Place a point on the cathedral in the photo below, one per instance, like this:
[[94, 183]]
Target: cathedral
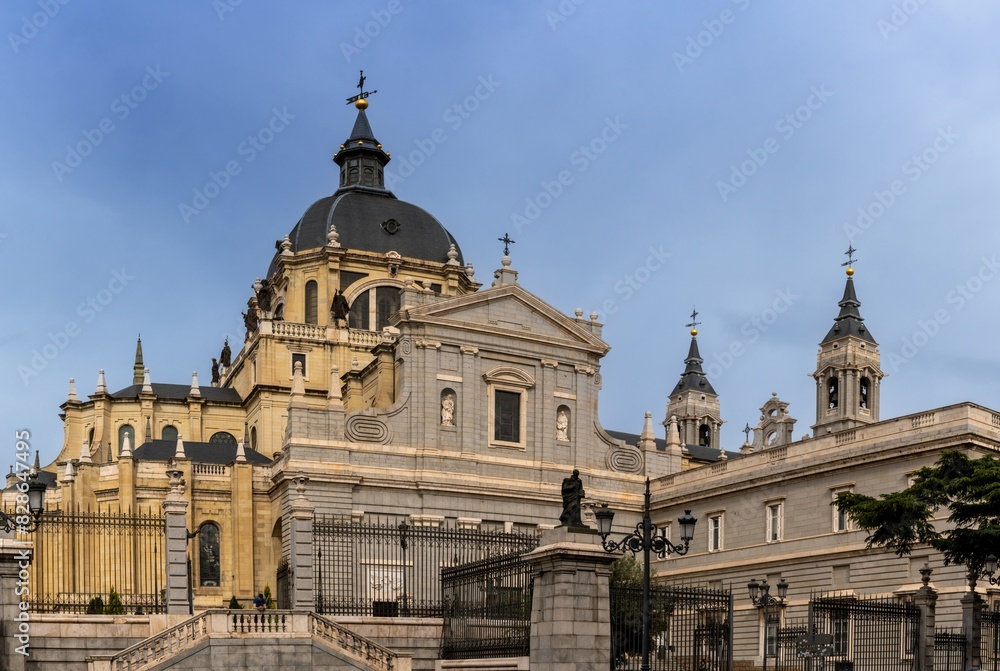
[[379, 370]]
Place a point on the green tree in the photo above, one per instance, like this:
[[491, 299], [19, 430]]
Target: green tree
[[234, 603], [268, 599], [114, 605], [626, 571], [969, 489]]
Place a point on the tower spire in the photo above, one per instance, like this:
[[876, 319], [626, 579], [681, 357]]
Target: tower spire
[[848, 374], [361, 158], [138, 368], [693, 403]]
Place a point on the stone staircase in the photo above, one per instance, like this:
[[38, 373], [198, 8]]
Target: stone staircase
[[237, 632]]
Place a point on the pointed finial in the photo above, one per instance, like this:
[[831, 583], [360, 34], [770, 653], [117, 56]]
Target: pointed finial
[[138, 366], [195, 389], [694, 322], [102, 385], [297, 399], [241, 453], [126, 446], [470, 272], [71, 396], [37, 466], [647, 439], [334, 399], [147, 384], [85, 453], [332, 237], [673, 433], [179, 450], [850, 260], [453, 255], [286, 246], [69, 475]]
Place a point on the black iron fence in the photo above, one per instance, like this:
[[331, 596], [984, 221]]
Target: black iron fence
[[384, 568], [689, 628], [487, 610], [989, 642], [98, 562], [949, 651]]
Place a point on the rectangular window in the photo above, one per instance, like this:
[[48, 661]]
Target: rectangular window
[[773, 522], [771, 626], [840, 628], [715, 532], [299, 358], [507, 416], [841, 522]]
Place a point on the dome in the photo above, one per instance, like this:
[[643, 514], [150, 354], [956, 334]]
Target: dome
[[368, 217]]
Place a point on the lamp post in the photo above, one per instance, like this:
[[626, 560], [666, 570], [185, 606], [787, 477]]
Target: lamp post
[[30, 515], [990, 568], [404, 543], [644, 539], [760, 595]]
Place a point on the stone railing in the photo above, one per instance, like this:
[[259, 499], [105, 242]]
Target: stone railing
[[219, 623], [364, 338], [293, 330], [209, 469], [359, 647], [158, 648]]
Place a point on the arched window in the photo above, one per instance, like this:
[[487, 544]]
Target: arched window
[[90, 438], [222, 438], [833, 387], [253, 438], [208, 553], [169, 433], [126, 430], [704, 435], [279, 312], [386, 305], [863, 392], [358, 318], [312, 301]]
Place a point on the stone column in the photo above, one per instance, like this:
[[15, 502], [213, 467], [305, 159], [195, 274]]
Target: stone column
[[925, 598], [972, 626], [300, 537], [175, 515], [571, 604], [15, 625]]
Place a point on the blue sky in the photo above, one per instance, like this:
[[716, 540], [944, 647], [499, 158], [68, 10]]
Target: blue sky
[[646, 157]]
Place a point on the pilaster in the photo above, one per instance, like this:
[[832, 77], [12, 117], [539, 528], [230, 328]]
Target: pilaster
[[175, 517]]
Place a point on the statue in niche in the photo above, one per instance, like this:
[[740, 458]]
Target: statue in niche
[[215, 371], [448, 409], [226, 358], [562, 424], [572, 494], [340, 308]]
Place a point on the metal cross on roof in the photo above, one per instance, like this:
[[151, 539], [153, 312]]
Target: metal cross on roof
[[850, 257], [507, 242], [746, 432], [694, 319], [362, 94]]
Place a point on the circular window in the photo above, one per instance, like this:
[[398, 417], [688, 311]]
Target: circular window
[[390, 226]]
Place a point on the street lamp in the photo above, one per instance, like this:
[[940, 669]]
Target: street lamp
[[404, 543], [760, 595], [644, 539], [30, 516], [990, 568]]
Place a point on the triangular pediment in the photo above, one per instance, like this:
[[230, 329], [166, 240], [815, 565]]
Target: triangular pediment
[[509, 309]]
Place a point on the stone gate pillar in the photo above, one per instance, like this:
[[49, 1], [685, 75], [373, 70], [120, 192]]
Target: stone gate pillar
[[925, 598], [571, 604], [300, 561], [15, 627], [175, 517], [972, 626]]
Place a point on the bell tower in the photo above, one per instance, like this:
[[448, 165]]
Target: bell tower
[[848, 374], [693, 401]]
